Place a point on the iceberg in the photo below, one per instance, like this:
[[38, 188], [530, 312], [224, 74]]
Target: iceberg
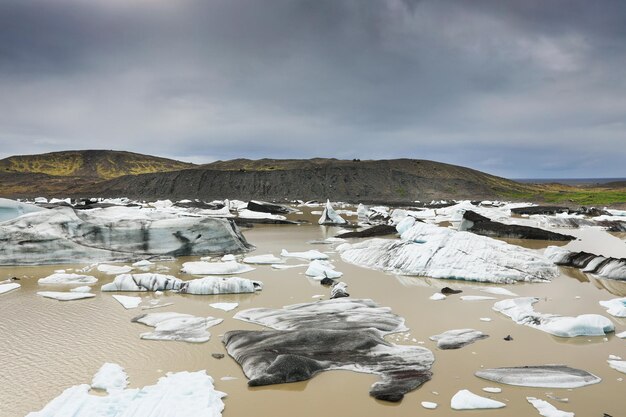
[[177, 326], [546, 409], [176, 394], [200, 286], [615, 307], [62, 278], [322, 269], [467, 400], [65, 235], [11, 209], [83, 288], [437, 252], [333, 334], [618, 365], [65, 296], [546, 376], [263, 259], [9, 287], [309, 255], [612, 268], [128, 302], [111, 377], [522, 312], [455, 339], [429, 405], [339, 290], [224, 306], [215, 268], [330, 216]]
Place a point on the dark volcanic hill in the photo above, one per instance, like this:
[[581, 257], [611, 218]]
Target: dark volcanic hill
[[398, 180]]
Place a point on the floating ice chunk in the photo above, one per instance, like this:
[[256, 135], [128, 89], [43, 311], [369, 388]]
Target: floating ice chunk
[[339, 290], [61, 278], [254, 215], [433, 251], [308, 255], [276, 266], [9, 287], [621, 335], [65, 296], [177, 326], [114, 269], [220, 285], [83, 288], [498, 291], [615, 307], [466, 400], [143, 263], [618, 365], [546, 409], [522, 312], [330, 216], [476, 298], [225, 306], [429, 405], [455, 339], [485, 319], [322, 269], [263, 259], [215, 268], [110, 377], [437, 296], [606, 267], [492, 390], [546, 376], [128, 302], [143, 282], [177, 394]]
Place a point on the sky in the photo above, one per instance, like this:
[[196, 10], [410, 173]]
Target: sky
[[521, 89]]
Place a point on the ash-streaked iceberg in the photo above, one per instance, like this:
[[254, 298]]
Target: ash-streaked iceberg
[[521, 311], [606, 267], [66, 235], [11, 209], [334, 334], [455, 339], [437, 252], [467, 400], [143, 282], [177, 326], [181, 394], [215, 268], [62, 278], [200, 286], [544, 376]]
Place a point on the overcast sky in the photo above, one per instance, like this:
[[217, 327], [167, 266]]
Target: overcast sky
[[527, 88]]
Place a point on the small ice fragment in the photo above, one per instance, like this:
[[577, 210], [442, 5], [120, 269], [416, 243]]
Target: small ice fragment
[[225, 306], [437, 296], [127, 301], [429, 405], [492, 390], [485, 319], [466, 400]]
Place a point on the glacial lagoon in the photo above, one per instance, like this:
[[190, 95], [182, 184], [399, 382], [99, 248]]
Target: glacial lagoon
[[48, 345]]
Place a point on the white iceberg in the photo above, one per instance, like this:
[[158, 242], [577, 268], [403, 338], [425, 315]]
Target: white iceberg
[[330, 216], [308, 255], [82, 288], [615, 307], [128, 302], [65, 296], [618, 365], [429, 405], [546, 409], [322, 269], [256, 215], [621, 335], [522, 312], [114, 269], [181, 394], [263, 259], [437, 252], [9, 287], [60, 278], [542, 376], [224, 306], [437, 296], [467, 400], [215, 268], [110, 377], [492, 390], [177, 326]]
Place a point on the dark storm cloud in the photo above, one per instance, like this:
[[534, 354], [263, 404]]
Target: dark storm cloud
[[524, 88]]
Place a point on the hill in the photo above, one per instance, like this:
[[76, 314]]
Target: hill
[[91, 164]]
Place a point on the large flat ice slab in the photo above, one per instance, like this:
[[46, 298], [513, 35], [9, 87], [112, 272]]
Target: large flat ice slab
[[65, 235], [62, 278], [183, 394], [177, 326], [65, 296], [334, 334], [521, 311], [546, 409], [467, 400], [9, 287], [546, 376], [437, 252]]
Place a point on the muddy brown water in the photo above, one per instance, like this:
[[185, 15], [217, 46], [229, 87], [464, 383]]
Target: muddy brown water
[[47, 346]]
